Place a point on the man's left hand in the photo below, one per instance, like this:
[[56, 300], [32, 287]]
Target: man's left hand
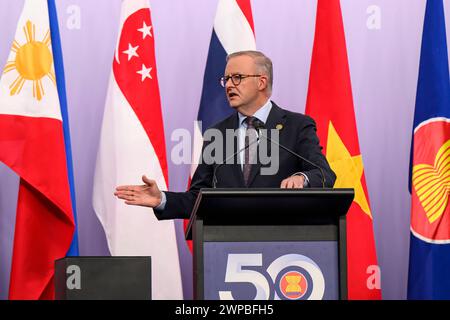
[[293, 182]]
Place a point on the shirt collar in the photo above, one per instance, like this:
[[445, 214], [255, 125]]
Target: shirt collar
[[262, 113]]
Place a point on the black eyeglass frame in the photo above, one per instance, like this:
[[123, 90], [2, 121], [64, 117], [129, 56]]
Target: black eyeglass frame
[[236, 78]]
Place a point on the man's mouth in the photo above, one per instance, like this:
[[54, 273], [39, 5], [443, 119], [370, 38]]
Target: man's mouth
[[232, 95]]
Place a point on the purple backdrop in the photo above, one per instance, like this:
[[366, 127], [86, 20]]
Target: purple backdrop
[[383, 41]]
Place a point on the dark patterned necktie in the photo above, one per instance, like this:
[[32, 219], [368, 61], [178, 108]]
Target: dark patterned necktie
[[250, 148]]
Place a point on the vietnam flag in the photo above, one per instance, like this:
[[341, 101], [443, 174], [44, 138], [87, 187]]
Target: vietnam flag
[[330, 103]]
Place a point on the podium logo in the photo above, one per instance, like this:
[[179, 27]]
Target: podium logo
[[291, 277], [73, 281], [293, 285], [297, 277]]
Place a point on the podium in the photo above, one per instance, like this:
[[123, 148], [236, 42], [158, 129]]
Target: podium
[[270, 244]]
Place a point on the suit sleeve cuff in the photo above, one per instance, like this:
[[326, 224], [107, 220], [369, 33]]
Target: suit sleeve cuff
[[162, 205]]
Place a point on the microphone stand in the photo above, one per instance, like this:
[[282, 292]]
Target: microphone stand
[[260, 125], [214, 179]]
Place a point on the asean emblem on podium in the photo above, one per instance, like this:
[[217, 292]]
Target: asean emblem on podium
[[293, 285], [297, 277]]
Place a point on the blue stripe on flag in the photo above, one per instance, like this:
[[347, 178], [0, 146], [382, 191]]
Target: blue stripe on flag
[[59, 73], [433, 88], [214, 105], [428, 272]]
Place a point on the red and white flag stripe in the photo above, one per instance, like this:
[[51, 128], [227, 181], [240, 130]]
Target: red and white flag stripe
[[132, 144], [32, 144]]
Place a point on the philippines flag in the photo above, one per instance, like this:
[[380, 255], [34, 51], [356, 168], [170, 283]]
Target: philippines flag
[[132, 144], [233, 31], [35, 143], [429, 261]]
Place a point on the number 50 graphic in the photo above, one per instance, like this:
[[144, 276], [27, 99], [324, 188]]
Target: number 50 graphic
[[236, 273]]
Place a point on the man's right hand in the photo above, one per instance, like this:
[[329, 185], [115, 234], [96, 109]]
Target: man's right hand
[[147, 195]]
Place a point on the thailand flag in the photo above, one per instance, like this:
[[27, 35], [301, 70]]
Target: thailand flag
[[35, 143], [132, 144], [429, 262], [233, 31]]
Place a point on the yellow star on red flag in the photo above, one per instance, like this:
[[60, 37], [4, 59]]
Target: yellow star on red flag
[[349, 169]]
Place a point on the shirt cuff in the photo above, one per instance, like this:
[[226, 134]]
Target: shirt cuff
[[306, 183], [162, 205]]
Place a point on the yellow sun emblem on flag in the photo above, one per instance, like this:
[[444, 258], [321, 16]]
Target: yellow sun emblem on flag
[[33, 61]]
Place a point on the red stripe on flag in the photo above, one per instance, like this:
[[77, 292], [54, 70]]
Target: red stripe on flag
[[246, 8], [141, 92], [42, 235], [34, 149]]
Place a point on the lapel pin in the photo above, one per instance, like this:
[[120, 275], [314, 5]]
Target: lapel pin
[[279, 126]]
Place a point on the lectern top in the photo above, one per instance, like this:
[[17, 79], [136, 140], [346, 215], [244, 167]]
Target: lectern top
[[269, 206]]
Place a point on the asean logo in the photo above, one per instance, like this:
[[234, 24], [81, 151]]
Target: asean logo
[[430, 217], [296, 277], [293, 285]]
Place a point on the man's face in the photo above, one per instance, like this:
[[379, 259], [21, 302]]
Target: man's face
[[246, 92]]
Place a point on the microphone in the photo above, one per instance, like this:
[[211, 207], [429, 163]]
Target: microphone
[[217, 166], [260, 125]]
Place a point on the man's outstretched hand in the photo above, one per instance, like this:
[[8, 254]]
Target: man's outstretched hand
[[147, 195]]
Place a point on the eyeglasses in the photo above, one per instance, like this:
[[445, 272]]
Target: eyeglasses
[[236, 78]]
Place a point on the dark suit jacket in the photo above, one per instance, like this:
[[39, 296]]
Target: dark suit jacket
[[298, 133]]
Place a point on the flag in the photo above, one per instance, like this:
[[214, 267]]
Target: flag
[[61, 85], [330, 103], [34, 142], [132, 144], [233, 31], [429, 261]]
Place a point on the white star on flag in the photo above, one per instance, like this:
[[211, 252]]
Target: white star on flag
[[131, 52], [145, 30], [145, 72]]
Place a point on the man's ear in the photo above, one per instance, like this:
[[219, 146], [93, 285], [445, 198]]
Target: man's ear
[[263, 82]]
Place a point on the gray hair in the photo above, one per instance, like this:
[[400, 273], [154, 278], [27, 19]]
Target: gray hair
[[262, 62]]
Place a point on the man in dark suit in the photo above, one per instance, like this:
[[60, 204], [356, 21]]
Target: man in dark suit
[[248, 86]]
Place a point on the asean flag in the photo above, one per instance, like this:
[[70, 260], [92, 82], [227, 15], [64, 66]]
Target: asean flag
[[429, 261], [32, 144], [330, 103], [233, 31], [132, 144]]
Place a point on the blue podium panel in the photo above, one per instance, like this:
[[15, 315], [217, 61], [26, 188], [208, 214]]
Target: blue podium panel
[[297, 270]]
